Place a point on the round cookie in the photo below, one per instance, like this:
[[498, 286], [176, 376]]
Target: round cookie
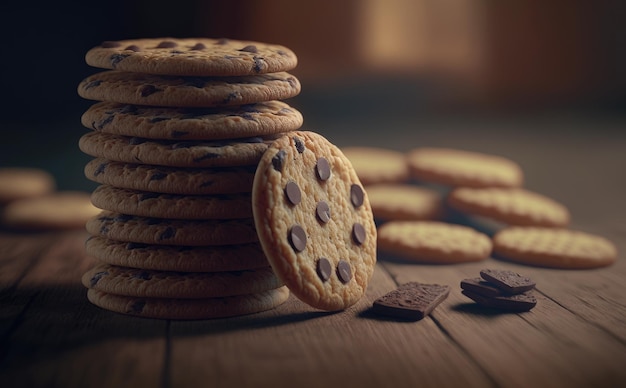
[[260, 119], [216, 153], [192, 56], [159, 179], [314, 220], [159, 205], [185, 285], [433, 242], [177, 258], [208, 308], [554, 247], [160, 231], [404, 202], [24, 182], [451, 167], [147, 89], [376, 165], [514, 206], [59, 210]]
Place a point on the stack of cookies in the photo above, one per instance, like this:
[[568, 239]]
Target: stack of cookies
[[177, 133]]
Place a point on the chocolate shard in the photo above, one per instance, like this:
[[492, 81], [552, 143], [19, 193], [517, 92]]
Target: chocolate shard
[[411, 300], [508, 281], [514, 303], [481, 287]]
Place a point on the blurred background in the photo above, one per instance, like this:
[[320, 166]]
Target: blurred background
[[516, 78]]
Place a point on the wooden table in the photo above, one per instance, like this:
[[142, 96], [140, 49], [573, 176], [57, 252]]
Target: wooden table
[[50, 335]]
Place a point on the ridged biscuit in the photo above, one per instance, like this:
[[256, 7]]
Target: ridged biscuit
[[208, 308], [162, 231], [314, 220], [159, 205], [405, 202], [170, 180], [192, 56], [260, 119], [199, 92], [376, 165]]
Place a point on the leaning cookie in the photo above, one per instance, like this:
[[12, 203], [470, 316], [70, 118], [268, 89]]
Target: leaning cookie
[[192, 56], [314, 220], [376, 165], [200, 92], [260, 119], [451, 167], [433, 242], [554, 247], [513, 206], [208, 308]]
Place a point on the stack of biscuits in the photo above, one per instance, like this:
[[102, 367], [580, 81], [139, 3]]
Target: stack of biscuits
[[177, 131]]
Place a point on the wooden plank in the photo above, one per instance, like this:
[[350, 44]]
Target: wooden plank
[[296, 346], [548, 345], [62, 340]]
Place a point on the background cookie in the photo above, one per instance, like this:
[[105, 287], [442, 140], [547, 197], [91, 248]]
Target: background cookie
[[159, 179], [216, 153], [158, 205], [188, 285], [453, 167], [513, 206], [377, 165], [177, 258], [314, 220], [433, 242], [123, 227], [146, 89], [208, 308], [192, 56], [554, 247], [404, 202], [23, 182], [260, 119]]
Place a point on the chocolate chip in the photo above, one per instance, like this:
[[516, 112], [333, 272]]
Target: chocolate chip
[[344, 272], [157, 176], [110, 44], [136, 307], [250, 49], [103, 123], [167, 44], [322, 210], [299, 144], [292, 192], [278, 160], [297, 238], [117, 58], [96, 277], [324, 269], [231, 97], [147, 90], [100, 169], [198, 46], [222, 41], [322, 168], [133, 47], [358, 233], [356, 195], [92, 84], [167, 234], [259, 64]]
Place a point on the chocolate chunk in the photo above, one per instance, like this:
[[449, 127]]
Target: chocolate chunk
[[117, 58], [479, 286], [297, 238], [198, 46], [103, 123], [93, 84], [157, 176], [167, 44], [356, 195], [322, 169], [322, 211], [411, 300], [324, 269], [358, 233], [100, 170], [278, 160], [206, 156], [518, 303], [292, 192], [147, 90], [136, 307], [344, 272], [508, 281], [168, 233], [250, 49], [96, 277], [259, 64], [133, 47], [299, 144]]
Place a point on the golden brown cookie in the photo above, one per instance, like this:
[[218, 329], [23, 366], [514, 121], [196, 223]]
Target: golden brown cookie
[[433, 242], [404, 202], [314, 220], [376, 165], [513, 206], [451, 167], [554, 247]]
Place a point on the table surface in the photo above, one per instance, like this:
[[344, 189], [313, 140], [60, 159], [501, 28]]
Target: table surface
[[50, 335]]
